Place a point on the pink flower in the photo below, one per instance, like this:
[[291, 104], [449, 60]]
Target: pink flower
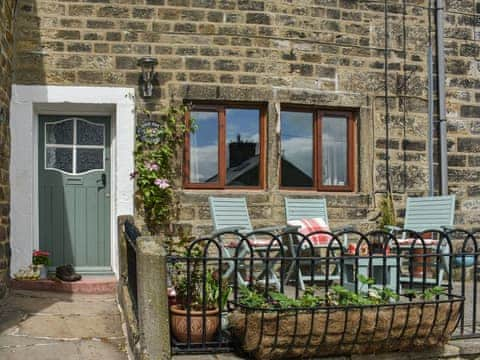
[[151, 166], [162, 183]]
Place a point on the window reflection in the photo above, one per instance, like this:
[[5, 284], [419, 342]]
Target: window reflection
[[60, 159], [204, 148], [59, 132], [243, 148], [297, 149], [334, 150]]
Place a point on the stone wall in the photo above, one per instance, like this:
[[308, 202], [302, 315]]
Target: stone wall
[[463, 107], [6, 55], [321, 52]]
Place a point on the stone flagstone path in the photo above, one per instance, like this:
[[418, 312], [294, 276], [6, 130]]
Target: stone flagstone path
[[50, 326]]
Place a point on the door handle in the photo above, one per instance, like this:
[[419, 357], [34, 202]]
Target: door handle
[[104, 180]]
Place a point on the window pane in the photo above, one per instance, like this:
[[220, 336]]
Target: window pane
[[297, 148], [334, 150], [243, 147], [60, 132], [89, 159], [89, 134], [204, 148], [59, 158]]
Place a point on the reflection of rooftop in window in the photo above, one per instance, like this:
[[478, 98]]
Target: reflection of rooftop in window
[[234, 173]]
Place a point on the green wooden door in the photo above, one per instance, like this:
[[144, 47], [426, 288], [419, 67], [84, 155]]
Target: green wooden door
[[74, 191]]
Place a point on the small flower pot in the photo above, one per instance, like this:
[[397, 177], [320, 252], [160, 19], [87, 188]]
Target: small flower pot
[[179, 325], [42, 270]]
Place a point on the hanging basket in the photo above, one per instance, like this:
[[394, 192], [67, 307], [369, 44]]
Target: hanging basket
[[327, 331]]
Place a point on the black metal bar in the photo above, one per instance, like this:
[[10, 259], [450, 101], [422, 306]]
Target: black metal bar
[[131, 234]]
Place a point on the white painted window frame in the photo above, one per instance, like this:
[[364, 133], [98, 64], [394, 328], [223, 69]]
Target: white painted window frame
[[30, 101], [74, 146]]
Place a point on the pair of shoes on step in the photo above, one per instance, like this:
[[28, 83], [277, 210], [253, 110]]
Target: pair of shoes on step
[[67, 273]]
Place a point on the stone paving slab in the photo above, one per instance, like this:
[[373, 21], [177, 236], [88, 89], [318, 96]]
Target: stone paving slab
[[77, 350], [58, 303], [50, 326]]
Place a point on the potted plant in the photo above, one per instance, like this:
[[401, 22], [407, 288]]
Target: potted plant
[[199, 303], [40, 262]]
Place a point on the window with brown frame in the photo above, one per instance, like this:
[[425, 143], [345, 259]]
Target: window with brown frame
[[226, 149], [317, 149]]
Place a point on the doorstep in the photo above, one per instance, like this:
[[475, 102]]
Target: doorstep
[[88, 285]]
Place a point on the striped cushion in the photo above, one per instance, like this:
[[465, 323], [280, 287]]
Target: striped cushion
[[253, 243], [418, 242], [307, 226]]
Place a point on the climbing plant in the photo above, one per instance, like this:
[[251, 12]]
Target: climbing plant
[[156, 159], [387, 211]]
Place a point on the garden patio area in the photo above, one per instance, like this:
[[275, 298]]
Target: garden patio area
[[370, 297]]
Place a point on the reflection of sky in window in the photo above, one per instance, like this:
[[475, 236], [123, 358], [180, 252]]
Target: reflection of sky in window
[[297, 141], [334, 146], [204, 147], [243, 122]]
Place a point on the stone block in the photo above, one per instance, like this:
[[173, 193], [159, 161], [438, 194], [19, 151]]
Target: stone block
[[258, 18], [251, 5], [226, 65], [415, 145], [113, 12], [185, 28], [470, 111], [301, 69], [193, 15], [113, 36], [68, 34], [392, 143], [197, 64], [202, 77], [126, 62], [143, 13], [470, 144], [80, 10], [100, 24]]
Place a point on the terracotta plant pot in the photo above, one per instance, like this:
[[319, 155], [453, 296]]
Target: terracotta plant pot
[[178, 318]]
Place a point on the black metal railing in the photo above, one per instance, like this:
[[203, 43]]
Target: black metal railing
[[267, 279], [131, 235]]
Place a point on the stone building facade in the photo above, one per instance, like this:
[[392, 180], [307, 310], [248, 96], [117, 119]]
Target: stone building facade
[[324, 53], [6, 56]]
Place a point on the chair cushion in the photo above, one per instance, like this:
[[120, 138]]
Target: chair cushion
[[409, 241], [254, 243], [307, 226]]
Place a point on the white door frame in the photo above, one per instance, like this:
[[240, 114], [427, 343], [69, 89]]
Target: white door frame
[[26, 104]]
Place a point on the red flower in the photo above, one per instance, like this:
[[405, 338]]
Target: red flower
[[41, 253]]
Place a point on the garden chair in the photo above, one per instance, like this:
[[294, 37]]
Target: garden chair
[[427, 213], [230, 214], [297, 209]]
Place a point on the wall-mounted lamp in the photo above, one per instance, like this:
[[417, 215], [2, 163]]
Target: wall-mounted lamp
[[148, 74]]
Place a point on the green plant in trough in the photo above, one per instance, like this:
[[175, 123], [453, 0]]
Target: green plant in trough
[[336, 296]]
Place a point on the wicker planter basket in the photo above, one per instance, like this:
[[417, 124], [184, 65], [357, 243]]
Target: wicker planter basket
[[326, 331]]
